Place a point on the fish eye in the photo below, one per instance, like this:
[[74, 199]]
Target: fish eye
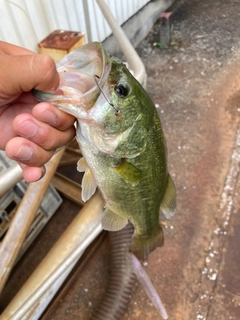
[[122, 90]]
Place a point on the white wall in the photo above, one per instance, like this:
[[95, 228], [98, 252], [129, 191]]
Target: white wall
[[27, 22]]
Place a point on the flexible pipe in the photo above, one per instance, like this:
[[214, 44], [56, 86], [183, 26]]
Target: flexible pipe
[[115, 301]]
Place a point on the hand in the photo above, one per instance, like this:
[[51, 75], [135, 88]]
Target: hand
[[30, 131]]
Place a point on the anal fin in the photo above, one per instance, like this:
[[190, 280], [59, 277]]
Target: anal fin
[[112, 221]]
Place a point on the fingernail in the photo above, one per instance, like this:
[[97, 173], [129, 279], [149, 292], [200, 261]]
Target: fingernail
[[30, 129], [49, 117], [41, 173], [24, 153]]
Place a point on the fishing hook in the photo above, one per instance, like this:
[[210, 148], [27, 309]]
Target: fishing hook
[[117, 112]]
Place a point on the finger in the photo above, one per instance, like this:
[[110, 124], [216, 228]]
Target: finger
[[51, 115], [32, 174], [40, 133], [25, 72], [12, 49], [27, 152]]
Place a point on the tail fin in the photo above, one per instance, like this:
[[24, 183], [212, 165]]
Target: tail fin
[[142, 246]]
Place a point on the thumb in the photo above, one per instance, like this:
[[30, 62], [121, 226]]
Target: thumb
[[22, 73]]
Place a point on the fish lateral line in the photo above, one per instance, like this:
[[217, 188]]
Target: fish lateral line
[[117, 111]]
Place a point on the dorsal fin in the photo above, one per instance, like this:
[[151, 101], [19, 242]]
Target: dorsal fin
[[168, 203]]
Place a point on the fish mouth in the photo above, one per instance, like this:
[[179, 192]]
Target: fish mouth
[[81, 72]]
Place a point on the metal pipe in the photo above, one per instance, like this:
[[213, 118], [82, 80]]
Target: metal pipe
[[37, 292], [87, 20], [130, 53], [23, 219], [10, 177]]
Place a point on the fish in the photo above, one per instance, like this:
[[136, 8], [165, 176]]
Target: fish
[[120, 136]]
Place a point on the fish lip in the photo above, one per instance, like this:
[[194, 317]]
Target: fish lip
[[97, 56]]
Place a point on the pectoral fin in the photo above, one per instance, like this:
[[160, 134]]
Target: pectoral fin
[[129, 173], [112, 221], [168, 203], [89, 184], [82, 165]]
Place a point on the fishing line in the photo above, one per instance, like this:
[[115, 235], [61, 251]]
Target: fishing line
[[117, 112]]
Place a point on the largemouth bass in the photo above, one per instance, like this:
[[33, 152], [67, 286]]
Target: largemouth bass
[[122, 143]]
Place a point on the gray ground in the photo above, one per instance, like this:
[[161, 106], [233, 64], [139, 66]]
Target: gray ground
[[196, 84]]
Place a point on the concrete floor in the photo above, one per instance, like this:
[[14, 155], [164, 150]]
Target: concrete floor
[[195, 84]]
